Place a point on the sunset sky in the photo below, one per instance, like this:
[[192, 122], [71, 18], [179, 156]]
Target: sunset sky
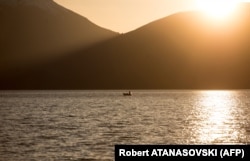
[[126, 15]]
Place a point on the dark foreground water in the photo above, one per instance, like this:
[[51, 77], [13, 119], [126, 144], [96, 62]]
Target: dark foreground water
[[85, 125]]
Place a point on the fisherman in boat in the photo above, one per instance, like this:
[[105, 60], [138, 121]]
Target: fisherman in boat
[[127, 94]]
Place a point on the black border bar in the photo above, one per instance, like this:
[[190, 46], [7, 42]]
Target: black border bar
[[182, 152]]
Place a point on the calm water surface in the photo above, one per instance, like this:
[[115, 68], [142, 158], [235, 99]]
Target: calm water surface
[[85, 125]]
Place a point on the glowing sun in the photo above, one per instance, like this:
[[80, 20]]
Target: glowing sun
[[217, 8]]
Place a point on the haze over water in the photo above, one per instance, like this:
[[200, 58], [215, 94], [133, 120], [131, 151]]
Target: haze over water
[[85, 125]]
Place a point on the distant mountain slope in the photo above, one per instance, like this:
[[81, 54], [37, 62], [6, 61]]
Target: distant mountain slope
[[33, 30], [184, 50]]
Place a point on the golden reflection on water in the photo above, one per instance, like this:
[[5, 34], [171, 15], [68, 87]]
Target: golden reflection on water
[[216, 117]]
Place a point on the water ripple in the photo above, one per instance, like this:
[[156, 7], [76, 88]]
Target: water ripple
[[85, 125]]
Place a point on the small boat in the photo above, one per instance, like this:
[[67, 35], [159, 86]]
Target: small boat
[[127, 94]]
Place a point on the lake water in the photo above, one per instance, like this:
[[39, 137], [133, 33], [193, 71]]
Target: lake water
[[85, 125]]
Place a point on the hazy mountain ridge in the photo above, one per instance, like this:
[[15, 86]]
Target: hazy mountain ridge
[[182, 51], [48, 6], [37, 3], [39, 30]]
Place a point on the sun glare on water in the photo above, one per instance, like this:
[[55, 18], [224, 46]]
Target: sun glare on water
[[217, 117], [217, 9]]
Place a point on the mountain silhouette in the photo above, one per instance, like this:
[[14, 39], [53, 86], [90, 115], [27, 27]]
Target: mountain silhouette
[[182, 51], [37, 30]]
